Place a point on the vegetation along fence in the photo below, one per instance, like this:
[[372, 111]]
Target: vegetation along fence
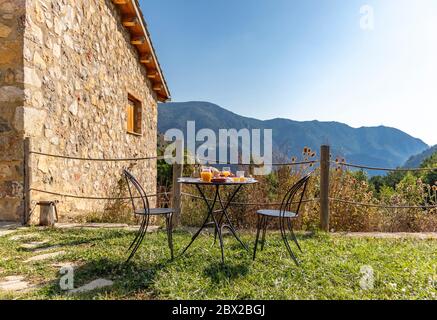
[[335, 184]]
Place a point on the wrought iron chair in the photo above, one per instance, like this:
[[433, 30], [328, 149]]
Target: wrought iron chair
[[146, 212], [285, 216]]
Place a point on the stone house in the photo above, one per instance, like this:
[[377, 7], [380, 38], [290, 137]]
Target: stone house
[[78, 78]]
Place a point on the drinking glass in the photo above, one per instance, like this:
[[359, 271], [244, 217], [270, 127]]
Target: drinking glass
[[240, 175], [206, 175]]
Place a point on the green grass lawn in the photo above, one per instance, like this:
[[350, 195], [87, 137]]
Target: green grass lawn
[[330, 267]]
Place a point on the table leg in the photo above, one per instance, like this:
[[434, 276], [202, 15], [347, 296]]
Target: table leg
[[208, 216], [218, 229], [218, 222], [229, 224]]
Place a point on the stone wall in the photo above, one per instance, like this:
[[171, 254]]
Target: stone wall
[[12, 13], [79, 68]]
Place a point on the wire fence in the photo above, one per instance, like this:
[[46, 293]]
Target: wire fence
[[249, 203], [311, 163], [97, 159], [293, 163], [357, 166], [65, 195], [382, 206]]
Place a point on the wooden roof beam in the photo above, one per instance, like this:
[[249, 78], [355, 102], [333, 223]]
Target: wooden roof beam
[[152, 74], [131, 22], [120, 2], [138, 41], [146, 59], [158, 87]]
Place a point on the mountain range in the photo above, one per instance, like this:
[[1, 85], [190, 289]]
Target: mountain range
[[373, 146], [417, 160]]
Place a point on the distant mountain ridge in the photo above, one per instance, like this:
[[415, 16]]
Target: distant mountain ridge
[[417, 160], [373, 146]]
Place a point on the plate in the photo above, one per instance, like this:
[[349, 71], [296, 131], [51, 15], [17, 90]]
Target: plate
[[219, 180]]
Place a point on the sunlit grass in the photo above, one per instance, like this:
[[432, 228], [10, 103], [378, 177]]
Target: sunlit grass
[[330, 267]]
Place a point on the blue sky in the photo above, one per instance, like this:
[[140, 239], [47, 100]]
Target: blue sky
[[303, 59]]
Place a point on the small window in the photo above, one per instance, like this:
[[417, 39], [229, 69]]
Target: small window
[[133, 113]]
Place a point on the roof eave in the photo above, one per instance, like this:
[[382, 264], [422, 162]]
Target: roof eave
[[134, 22]]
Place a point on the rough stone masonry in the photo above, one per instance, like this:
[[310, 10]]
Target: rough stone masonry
[[67, 68]]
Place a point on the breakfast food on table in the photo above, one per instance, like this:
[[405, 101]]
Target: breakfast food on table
[[211, 174], [206, 175], [219, 180]]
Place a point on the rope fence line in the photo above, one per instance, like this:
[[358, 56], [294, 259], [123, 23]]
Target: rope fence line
[[164, 158], [93, 197], [230, 163], [260, 164], [316, 200], [381, 169], [237, 203], [382, 206], [312, 162], [96, 159], [249, 203]]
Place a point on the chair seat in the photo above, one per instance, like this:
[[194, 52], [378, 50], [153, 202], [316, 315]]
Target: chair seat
[[155, 211], [277, 213]]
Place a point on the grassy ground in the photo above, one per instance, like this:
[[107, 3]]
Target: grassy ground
[[330, 269]]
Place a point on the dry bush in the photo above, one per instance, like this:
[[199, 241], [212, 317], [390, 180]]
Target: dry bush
[[345, 185]]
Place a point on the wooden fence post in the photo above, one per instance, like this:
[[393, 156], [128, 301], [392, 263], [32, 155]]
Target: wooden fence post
[[176, 187], [324, 187], [27, 181]]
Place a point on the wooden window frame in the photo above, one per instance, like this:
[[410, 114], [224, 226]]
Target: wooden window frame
[[137, 114]]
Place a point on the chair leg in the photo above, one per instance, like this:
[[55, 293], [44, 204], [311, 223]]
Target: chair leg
[[287, 245], [293, 236], [143, 222], [169, 225], [140, 238], [258, 229], [292, 255], [263, 239]]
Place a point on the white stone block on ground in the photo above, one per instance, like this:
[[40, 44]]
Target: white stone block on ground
[[33, 244], [66, 225], [6, 232], [102, 226], [64, 264], [41, 250], [45, 256], [14, 283], [93, 285], [150, 229], [105, 225], [19, 237]]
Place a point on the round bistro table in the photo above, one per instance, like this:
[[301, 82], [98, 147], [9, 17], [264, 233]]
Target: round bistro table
[[220, 217]]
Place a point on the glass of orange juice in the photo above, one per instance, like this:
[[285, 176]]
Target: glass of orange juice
[[206, 175], [226, 171], [240, 175]]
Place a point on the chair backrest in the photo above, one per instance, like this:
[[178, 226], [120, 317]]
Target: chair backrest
[[141, 194], [289, 198]]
